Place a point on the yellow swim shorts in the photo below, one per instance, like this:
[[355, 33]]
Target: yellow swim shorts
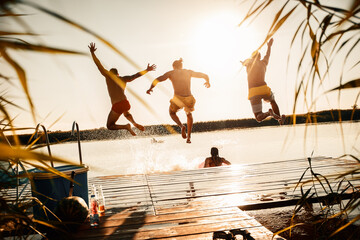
[[179, 102], [263, 90]]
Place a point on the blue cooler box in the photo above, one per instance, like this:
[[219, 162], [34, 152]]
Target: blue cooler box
[[49, 188]]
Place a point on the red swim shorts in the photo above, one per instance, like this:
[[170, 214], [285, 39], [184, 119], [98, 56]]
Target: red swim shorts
[[121, 107]]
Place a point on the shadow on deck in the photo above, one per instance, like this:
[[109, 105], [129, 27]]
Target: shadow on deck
[[194, 204]]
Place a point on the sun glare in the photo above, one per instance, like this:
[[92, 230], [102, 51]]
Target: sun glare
[[219, 42]]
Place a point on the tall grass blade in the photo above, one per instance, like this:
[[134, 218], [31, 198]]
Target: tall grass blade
[[85, 29], [351, 84], [278, 25], [351, 49], [354, 27], [288, 228], [2, 99], [10, 14], [22, 77], [33, 47], [356, 218], [303, 200], [277, 16], [252, 12], [301, 178], [4, 33], [357, 63], [350, 13]]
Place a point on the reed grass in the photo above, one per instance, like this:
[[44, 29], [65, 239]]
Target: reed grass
[[325, 32]]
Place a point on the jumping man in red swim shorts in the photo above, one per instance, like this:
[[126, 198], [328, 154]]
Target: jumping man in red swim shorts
[[116, 86]]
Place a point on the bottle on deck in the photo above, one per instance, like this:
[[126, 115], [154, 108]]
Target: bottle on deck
[[94, 208], [101, 200]]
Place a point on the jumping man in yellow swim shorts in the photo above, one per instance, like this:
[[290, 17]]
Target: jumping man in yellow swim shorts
[[181, 81], [258, 89]]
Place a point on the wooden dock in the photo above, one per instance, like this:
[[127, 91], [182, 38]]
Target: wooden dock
[[196, 203]]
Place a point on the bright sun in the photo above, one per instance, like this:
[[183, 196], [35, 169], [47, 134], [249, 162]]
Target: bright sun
[[218, 41], [217, 47]]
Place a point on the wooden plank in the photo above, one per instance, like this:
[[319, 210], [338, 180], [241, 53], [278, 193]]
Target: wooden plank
[[203, 222]]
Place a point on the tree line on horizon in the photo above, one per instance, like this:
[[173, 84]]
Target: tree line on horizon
[[156, 130]]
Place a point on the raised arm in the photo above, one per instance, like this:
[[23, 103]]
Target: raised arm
[[268, 52], [157, 80], [139, 74], [201, 75], [102, 70]]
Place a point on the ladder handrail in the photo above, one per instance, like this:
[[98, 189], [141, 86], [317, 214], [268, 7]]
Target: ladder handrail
[[75, 124], [47, 140]]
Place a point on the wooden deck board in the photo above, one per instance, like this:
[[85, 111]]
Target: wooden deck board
[[173, 225]]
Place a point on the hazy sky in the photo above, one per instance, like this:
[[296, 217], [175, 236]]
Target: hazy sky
[[203, 32]]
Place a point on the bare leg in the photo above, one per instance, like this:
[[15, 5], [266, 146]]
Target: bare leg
[[276, 112], [176, 119], [189, 126], [260, 116], [131, 119], [275, 107], [256, 105], [111, 123]]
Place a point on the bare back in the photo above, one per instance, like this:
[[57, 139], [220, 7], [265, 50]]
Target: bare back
[[115, 89], [181, 81], [215, 162]]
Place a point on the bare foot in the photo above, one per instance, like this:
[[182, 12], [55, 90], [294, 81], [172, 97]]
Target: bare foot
[[128, 127], [274, 115], [183, 132], [140, 127], [188, 140], [282, 120]]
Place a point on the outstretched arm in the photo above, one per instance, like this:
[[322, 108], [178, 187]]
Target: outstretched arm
[[157, 80], [92, 48], [225, 161], [139, 74], [202, 75], [268, 52]]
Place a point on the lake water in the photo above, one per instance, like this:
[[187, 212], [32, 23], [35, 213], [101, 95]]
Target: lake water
[[240, 146]]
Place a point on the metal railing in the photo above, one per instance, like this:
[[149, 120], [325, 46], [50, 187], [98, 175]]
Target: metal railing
[[47, 140], [75, 125]]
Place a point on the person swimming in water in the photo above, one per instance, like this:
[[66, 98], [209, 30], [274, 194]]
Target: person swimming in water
[[215, 160]]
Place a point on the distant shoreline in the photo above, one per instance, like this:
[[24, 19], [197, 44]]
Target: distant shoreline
[[156, 130]]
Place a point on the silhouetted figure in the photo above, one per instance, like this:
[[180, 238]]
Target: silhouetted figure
[[181, 81], [258, 89], [116, 86], [215, 160]]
